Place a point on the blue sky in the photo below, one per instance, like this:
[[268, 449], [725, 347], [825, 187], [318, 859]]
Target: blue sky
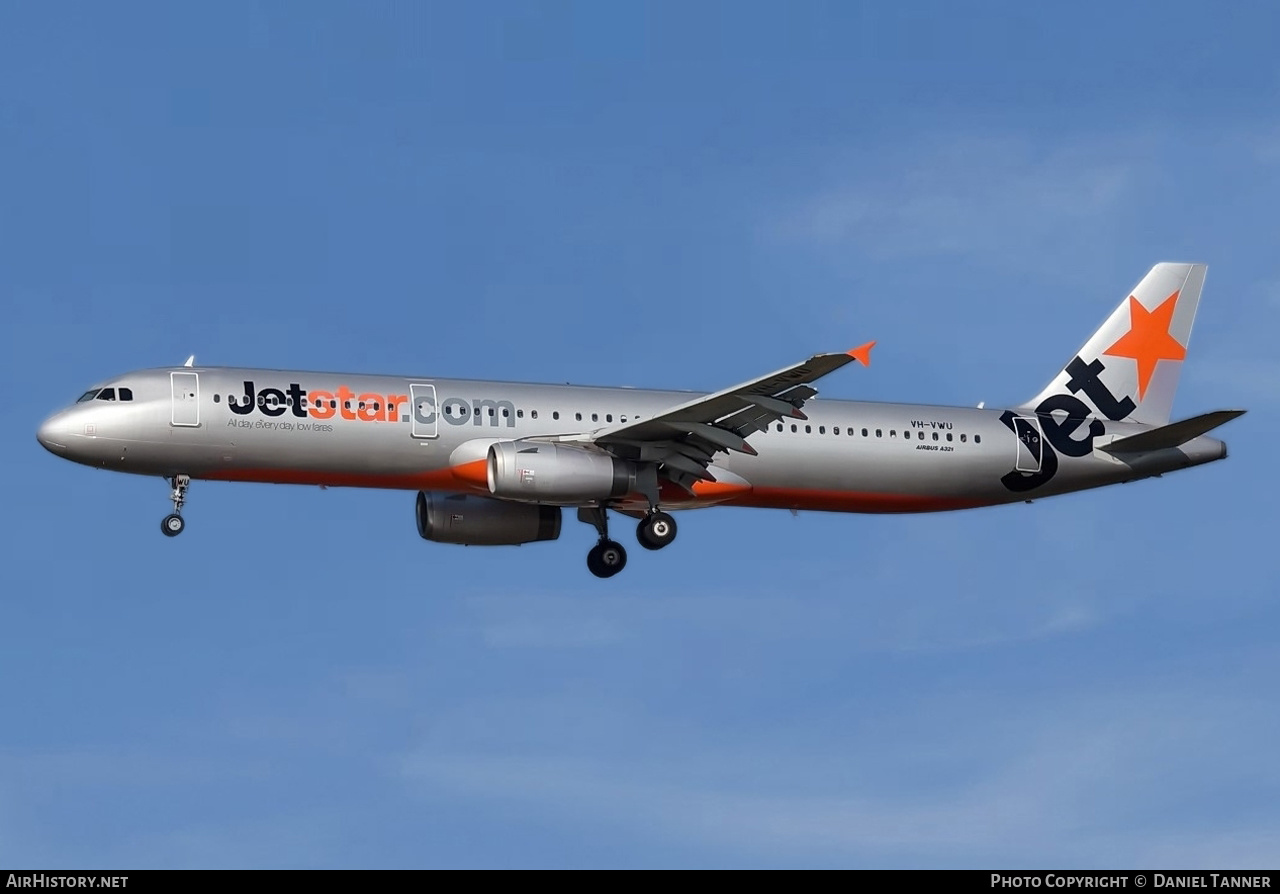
[[667, 195]]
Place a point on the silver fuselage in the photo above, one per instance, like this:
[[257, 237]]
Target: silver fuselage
[[426, 433]]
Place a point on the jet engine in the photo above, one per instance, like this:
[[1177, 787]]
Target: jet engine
[[557, 473], [480, 521]]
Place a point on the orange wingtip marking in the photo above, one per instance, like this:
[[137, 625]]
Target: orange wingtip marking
[[862, 353]]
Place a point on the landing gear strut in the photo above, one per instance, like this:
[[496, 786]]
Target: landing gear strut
[[172, 525], [607, 557], [656, 530]]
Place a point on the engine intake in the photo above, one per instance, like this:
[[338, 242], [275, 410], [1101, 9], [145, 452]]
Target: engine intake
[[480, 521], [557, 473]]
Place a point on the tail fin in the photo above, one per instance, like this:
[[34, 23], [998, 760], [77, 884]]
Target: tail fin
[[1128, 370]]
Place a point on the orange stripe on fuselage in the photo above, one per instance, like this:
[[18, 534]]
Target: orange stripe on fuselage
[[474, 473], [472, 477], [849, 501], [711, 491], [460, 479]]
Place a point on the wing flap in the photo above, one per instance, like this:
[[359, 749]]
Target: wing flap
[[773, 405], [789, 386], [683, 440]]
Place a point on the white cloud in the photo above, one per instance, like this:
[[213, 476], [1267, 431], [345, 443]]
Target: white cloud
[[868, 618], [565, 633], [971, 195], [1246, 379], [304, 840], [1092, 781]]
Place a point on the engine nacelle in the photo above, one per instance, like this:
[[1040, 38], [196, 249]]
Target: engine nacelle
[[479, 521], [557, 473]]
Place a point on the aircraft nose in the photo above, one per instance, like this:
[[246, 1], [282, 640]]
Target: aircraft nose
[[52, 434]]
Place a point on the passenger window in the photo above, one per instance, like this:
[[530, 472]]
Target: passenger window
[[608, 417], [822, 429], [893, 432], [963, 438], [107, 394], [492, 412], [779, 426], [533, 414], [127, 394], [948, 436], [216, 397], [835, 429], [555, 414], [864, 432], [878, 433], [88, 395], [935, 436], [977, 439], [519, 413], [922, 436], [595, 417], [808, 429], [793, 427]]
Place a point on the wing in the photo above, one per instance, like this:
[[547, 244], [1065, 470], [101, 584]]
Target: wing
[[684, 440]]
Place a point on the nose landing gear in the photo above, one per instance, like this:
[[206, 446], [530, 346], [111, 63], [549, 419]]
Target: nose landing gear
[[172, 524]]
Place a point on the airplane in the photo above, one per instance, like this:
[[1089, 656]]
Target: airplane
[[495, 463]]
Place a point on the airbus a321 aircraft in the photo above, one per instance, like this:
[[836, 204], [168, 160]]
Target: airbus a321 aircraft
[[495, 462]]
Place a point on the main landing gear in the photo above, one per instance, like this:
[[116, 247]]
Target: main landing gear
[[607, 557], [656, 530], [172, 524]]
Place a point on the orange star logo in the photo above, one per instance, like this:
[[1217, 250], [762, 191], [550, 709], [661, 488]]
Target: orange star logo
[[1148, 340]]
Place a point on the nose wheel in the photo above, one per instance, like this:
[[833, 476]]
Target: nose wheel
[[607, 557], [656, 530], [172, 524]]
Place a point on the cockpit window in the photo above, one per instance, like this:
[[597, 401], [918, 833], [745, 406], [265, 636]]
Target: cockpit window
[[106, 394]]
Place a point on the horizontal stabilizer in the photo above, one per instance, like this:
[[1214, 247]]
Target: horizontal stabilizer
[[1173, 435]]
